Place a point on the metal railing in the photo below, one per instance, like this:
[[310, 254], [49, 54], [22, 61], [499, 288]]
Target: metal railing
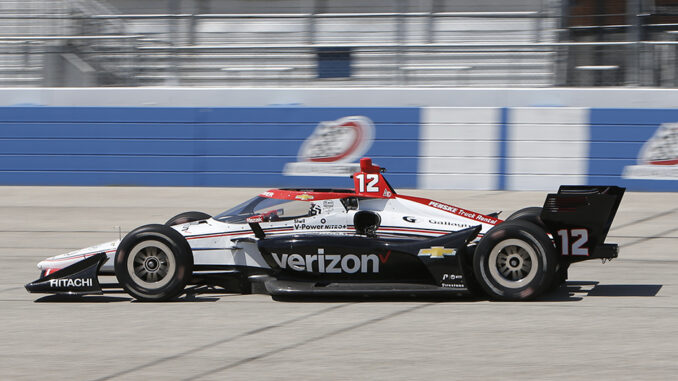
[[393, 64]]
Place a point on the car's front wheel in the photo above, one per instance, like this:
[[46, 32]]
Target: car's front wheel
[[515, 261], [186, 217], [154, 263]]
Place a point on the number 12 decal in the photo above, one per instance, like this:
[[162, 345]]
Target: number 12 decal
[[371, 185], [579, 238]]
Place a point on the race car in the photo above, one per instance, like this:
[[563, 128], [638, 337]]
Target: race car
[[368, 240]]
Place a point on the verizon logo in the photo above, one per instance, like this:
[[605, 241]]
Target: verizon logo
[[330, 263]]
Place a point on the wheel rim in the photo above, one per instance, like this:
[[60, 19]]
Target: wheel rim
[[151, 264], [513, 263]]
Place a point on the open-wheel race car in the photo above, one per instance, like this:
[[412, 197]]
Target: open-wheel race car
[[367, 241]]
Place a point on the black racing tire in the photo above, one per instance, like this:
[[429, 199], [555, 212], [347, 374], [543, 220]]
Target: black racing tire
[[515, 260], [531, 214], [186, 217], [154, 263]]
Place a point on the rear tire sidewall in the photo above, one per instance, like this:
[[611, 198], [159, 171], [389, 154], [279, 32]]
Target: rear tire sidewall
[[534, 241], [531, 214], [179, 256]]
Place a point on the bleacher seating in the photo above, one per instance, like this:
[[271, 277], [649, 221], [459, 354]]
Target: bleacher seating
[[260, 49]]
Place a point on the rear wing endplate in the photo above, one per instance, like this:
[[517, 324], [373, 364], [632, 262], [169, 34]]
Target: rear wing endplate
[[579, 218]]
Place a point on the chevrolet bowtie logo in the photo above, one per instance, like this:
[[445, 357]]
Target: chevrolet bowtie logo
[[304, 197], [437, 252]]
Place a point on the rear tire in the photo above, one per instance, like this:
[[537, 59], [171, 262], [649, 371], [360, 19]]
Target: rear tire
[[154, 263], [515, 260], [186, 217], [531, 214]]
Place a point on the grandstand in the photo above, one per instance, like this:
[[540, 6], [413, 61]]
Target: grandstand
[[320, 43]]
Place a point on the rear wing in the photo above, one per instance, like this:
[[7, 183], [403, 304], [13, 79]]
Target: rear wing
[[579, 218]]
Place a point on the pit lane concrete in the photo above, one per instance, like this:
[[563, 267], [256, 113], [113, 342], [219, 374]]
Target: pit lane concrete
[[617, 321]]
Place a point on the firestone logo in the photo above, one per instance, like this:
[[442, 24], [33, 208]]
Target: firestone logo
[[333, 148], [658, 159]]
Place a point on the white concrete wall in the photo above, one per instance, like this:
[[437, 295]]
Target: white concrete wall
[[546, 147], [459, 148], [341, 97]]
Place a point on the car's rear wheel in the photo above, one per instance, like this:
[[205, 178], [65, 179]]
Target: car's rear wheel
[[154, 263], [531, 214], [186, 217], [515, 261]]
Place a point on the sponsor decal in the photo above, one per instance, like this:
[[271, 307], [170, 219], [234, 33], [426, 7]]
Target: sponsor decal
[[464, 213], [451, 277], [267, 194], [329, 263], [304, 226], [384, 257], [333, 148], [445, 207], [437, 252], [77, 282], [658, 159], [409, 219], [452, 281], [448, 223], [255, 219], [304, 197]]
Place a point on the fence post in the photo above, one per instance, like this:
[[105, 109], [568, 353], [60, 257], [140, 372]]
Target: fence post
[[310, 23], [633, 35], [562, 66], [401, 30], [134, 64], [431, 25], [538, 22], [173, 33]]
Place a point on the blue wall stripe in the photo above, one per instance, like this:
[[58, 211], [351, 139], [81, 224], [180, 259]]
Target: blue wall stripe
[[617, 137], [187, 146], [212, 147], [186, 130], [503, 148]]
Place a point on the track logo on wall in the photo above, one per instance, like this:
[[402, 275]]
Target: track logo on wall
[[658, 159], [333, 148]]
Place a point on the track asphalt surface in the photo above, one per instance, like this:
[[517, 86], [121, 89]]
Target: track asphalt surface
[[617, 321]]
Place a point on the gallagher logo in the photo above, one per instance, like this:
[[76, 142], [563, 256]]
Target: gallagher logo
[[658, 159], [333, 148]]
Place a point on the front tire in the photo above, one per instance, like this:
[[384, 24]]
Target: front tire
[[186, 217], [515, 261], [154, 263]]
